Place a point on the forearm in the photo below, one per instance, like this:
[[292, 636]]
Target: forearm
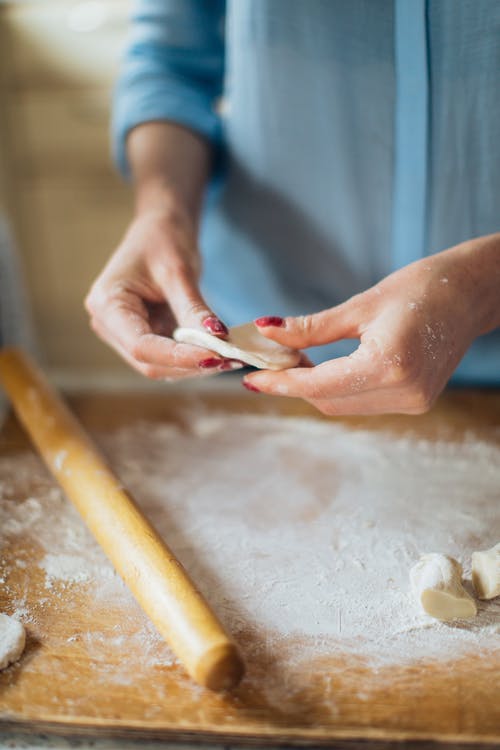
[[170, 167], [479, 279]]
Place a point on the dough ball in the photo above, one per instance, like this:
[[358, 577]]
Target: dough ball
[[486, 572], [436, 581], [12, 640]]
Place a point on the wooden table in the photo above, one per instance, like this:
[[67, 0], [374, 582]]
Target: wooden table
[[455, 701]]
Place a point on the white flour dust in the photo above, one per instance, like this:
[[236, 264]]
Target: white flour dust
[[66, 568], [290, 527]]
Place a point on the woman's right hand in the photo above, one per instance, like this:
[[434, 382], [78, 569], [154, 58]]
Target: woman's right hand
[[148, 288]]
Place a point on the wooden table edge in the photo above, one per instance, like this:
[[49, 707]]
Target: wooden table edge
[[298, 737]]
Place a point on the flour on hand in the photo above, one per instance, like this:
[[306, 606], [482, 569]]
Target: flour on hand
[[486, 572], [12, 640], [244, 343], [436, 581]]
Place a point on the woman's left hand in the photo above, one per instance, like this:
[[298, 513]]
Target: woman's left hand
[[414, 328]]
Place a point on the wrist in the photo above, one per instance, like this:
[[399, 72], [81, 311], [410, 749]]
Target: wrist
[[482, 274], [473, 292], [155, 195], [170, 167]]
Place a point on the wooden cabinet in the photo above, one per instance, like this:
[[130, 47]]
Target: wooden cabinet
[[58, 136], [68, 207]]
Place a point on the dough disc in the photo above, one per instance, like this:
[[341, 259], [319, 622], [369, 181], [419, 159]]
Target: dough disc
[[436, 581], [12, 640], [486, 572], [244, 343]]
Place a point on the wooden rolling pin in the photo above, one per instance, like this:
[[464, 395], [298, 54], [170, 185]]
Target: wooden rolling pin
[[151, 571]]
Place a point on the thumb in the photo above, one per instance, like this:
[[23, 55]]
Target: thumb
[[187, 303], [342, 321]]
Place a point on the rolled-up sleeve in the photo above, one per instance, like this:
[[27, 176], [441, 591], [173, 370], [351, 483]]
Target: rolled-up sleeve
[[172, 70]]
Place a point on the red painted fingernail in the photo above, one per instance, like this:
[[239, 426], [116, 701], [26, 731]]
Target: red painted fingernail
[[214, 325], [271, 320], [210, 362], [250, 387]]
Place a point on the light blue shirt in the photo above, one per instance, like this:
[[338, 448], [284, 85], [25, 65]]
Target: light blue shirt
[[354, 137]]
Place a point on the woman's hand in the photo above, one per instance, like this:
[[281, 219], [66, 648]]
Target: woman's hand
[[414, 327], [150, 284], [148, 287]]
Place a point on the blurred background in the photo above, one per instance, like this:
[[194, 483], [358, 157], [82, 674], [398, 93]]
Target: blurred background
[[66, 207]]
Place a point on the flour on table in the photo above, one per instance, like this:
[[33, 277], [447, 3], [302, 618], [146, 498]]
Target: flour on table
[[67, 568], [12, 640], [292, 528]]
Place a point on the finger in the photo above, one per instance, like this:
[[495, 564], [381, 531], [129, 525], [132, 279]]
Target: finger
[[365, 405], [210, 366], [371, 403], [180, 289], [125, 323], [154, 372], [319, 328], [340, 377]]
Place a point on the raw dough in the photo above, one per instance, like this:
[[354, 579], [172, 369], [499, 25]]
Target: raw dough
[[244, 343], [436, 581], [12, 640], [486, 572]]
